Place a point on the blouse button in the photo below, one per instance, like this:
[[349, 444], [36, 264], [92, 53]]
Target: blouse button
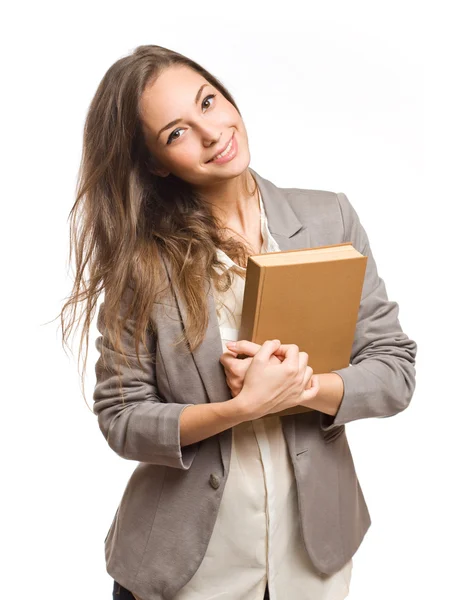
[[214, 481]]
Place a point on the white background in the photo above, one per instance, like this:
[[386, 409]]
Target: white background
[[353, 97]]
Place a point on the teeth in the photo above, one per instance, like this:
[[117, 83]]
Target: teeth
[[225, 152]]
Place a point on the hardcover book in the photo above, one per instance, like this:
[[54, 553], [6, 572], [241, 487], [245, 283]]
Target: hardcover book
[[309, 297]]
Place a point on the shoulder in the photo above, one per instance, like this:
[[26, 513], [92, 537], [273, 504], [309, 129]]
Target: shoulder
[[319, 208], [322, 210], [311, 200]]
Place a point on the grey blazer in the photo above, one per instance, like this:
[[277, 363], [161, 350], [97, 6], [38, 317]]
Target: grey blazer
[[162, 526]]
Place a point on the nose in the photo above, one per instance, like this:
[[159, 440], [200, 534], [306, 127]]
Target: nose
[[211, 138]]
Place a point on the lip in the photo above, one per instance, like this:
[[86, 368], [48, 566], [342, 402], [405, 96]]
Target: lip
[[229, 156]]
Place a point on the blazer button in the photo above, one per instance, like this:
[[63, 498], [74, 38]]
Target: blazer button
[[214, 481]]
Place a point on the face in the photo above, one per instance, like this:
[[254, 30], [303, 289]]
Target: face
[[207, 122]]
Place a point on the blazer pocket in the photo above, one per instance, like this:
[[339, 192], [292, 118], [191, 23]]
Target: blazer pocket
[[333, 434]]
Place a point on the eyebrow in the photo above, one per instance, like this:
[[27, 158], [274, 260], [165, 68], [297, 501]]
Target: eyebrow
[[179, 120]]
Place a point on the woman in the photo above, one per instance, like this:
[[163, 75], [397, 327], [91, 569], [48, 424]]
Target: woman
[[228, 500]]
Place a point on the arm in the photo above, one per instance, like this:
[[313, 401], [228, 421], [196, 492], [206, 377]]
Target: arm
[[381, 378], [141, 426], [205, 420]]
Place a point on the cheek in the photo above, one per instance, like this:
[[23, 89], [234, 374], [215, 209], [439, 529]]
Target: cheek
[[240, 130], [185, 156]]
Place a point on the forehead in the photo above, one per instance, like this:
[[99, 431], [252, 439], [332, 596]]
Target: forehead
[[169, 97]]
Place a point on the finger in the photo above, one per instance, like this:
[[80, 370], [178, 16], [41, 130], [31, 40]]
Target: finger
[[232, 352], [227, 359], [313, 390], [303, 360], [281, 352], [267, 349], [290, 353], [244, 347], [310, 383]]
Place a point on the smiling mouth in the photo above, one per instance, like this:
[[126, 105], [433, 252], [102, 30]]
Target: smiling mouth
[[218, 155]]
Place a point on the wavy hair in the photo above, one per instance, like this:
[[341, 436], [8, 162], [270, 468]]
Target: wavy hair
[[125, 218]]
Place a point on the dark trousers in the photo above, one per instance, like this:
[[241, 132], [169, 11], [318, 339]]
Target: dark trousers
[[120, 593]]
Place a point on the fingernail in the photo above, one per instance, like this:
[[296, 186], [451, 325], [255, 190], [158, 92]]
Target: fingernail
[[231, 344]]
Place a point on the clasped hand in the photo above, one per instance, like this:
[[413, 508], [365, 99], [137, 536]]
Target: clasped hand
[[236, 368]]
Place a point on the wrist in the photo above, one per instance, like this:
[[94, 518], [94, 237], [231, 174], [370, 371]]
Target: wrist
[[239, 408], [329, 396]]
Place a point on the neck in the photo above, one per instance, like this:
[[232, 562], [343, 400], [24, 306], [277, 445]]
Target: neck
[[232, 204]]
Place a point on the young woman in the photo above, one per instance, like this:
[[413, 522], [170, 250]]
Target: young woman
[[228, 500]]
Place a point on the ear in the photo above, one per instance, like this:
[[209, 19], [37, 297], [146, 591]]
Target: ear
[[155, 167]]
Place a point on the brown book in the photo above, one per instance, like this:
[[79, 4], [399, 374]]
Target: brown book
[[307, 297]]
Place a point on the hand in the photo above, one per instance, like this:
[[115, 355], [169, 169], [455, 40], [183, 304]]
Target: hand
[[236, 368], [269, 388]]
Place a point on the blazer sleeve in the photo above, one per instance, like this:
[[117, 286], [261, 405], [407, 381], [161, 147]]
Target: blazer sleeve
[[139, 426], [380, 380]]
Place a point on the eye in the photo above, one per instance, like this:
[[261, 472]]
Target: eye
[[170, 138]]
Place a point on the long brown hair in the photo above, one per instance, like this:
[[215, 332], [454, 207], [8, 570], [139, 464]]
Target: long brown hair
[[125, 217]]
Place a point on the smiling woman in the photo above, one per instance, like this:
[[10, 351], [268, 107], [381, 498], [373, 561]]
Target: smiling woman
[[166, 215]]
